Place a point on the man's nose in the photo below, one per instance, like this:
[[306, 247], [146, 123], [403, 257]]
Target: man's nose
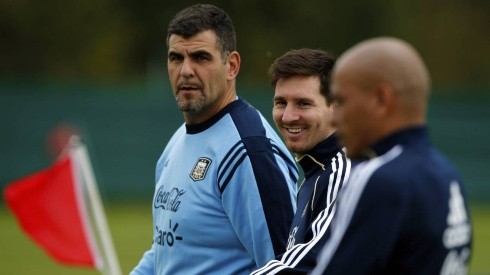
[[290, 114], [187, 70]]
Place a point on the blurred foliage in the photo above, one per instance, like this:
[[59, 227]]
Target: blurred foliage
[[114, 40]]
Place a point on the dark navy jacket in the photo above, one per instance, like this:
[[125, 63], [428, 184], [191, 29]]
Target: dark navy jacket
[[403, 211], [326, 168]]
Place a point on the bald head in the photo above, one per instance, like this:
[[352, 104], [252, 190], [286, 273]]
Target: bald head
[[393, 62], [381, 86]]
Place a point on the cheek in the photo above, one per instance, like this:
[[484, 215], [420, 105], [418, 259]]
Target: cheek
[[350, 120], [219, 75], [359, 125], [277, 116], [340, 117], [173, 76], [336, 116], [356, 121], [171, 69]]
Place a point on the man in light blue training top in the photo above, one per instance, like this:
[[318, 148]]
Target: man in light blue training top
[[403, 210], [225, 183]]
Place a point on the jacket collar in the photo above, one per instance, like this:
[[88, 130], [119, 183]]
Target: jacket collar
[[320, 155], [401, 137], [197, 128]]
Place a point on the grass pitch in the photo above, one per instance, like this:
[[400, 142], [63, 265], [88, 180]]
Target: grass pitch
[[131, 231]]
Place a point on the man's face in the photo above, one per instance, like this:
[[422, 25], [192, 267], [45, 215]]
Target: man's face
[[354, 115], [198, 74], [301, 113]]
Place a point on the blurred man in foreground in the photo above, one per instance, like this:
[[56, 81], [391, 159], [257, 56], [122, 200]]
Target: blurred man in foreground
[[403, 210]]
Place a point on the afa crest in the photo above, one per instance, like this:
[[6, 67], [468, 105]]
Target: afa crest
[[200, 169]]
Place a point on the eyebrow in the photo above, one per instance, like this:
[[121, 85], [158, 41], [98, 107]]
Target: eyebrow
[[174, 53], [298, 98], [191, 54], [200, 53]]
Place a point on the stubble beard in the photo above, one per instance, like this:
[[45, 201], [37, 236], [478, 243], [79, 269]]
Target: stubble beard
[[300, 147], [191, 106]]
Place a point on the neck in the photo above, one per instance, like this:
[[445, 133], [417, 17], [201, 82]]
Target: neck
[[205, 114]]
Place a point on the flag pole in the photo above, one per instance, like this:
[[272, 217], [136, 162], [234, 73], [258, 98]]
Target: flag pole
[[82, 158]]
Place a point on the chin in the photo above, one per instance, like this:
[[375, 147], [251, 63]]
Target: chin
[[293, 149], [298, 151]]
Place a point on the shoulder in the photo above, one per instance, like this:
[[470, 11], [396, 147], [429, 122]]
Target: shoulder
[[414, 165], [408, 175], [337, 169], [247, 119], [254, 130], [381, 176]]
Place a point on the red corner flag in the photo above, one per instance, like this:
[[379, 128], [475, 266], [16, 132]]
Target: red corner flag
[[47, 205]]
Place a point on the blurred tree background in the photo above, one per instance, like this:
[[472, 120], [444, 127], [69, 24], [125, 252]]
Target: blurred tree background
[[99, 67], [124, 40]]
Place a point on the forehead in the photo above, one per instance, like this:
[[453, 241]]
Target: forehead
[[339, 82], [205, 40], [298, 87]]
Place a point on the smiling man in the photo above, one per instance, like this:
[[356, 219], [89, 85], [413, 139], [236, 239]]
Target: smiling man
[[302, 112], [225, 183]]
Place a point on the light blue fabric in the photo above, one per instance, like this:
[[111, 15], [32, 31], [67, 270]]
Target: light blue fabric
[[212, 212]]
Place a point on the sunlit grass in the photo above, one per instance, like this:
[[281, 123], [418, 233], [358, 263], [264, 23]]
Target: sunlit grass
[[131, 230]]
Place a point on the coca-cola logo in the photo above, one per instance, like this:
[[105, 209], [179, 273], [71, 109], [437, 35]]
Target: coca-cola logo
[[168, 200]]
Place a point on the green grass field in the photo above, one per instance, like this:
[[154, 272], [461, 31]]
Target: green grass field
[[131, 229]]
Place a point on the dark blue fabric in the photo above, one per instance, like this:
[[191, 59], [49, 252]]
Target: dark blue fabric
[[314, 210], [270, 180], [401, 217]]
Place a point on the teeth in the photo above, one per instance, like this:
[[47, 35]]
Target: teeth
[[295, 130]]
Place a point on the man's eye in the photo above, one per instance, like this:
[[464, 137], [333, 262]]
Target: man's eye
[[174, 58], [279, 104], [338, 102], [202, 58]]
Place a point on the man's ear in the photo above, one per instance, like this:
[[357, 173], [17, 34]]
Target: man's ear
[[233, 61], [385, 98]]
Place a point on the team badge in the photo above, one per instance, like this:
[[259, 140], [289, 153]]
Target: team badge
[[200, 169]]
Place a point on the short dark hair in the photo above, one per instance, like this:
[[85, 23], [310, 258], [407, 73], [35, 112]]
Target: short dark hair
[[304, 62], [201, 17]]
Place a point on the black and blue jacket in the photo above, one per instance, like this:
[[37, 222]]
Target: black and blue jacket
[[403, 211], [325, 168]]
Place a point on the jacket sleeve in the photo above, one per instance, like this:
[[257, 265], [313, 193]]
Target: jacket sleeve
[[146, 266], [372, 233], [368, 222], [258, 197], [301, 258]]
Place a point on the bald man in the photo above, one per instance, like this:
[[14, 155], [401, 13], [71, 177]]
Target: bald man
[[403, 210]]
